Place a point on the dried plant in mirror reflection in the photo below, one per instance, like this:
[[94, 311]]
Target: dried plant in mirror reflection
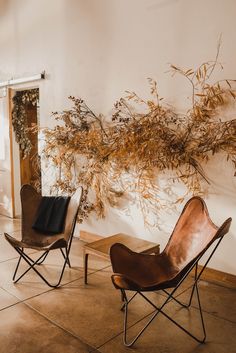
[[125, 155], [21, 100]]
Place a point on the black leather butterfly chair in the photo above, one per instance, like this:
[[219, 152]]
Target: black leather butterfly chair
[[32, 239], [193, 234]]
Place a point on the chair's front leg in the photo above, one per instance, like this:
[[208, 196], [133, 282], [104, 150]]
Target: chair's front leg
[[17, 265], [29, 261], [124, 298], [20, 251], [68, 260], [126, 304], [201, 315]]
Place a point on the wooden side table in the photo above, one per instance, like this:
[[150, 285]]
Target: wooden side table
[[102, 246]]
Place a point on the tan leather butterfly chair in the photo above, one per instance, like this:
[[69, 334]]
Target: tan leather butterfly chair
[[32, 239], [193, 234]]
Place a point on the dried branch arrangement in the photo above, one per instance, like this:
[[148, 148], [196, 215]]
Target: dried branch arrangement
[[126, 153]]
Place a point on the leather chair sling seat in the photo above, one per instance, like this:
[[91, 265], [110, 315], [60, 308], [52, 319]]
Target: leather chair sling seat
[[193, 234], [32, 239]]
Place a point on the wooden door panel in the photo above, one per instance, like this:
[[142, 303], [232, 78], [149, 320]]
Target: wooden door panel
[[6, 166], [29, 169]]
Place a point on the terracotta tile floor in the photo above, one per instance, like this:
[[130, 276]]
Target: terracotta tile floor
[[86, 318]]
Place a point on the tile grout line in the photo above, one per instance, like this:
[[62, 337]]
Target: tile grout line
[[46, 291], [134, 324], [77, 337], [58, 325], [21, 301], [209, 313], [74, 280], [94, 349], [24, 301], [204, 310], [13, 258], [78, 278]]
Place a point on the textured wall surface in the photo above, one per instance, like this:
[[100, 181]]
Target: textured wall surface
[[97, 49]]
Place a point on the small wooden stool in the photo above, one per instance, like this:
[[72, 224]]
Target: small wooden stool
[[102, 246]]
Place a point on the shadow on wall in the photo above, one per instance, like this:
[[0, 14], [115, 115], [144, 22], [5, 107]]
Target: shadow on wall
[[117, 221], [112, 224], [219, 261]]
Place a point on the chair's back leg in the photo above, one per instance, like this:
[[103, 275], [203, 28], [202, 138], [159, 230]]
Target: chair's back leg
[[194, 285], [62, 271], [46, 254]]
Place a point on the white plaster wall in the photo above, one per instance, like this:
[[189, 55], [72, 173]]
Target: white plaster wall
[[97, 49]]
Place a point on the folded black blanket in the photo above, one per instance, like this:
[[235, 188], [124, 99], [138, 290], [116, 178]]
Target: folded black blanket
[[51, 214]]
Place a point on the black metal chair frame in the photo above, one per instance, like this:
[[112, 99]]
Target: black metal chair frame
[[168, 299], [42, 242], [41, 259]]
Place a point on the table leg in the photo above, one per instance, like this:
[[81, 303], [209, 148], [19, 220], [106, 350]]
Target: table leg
[[86, 268]]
